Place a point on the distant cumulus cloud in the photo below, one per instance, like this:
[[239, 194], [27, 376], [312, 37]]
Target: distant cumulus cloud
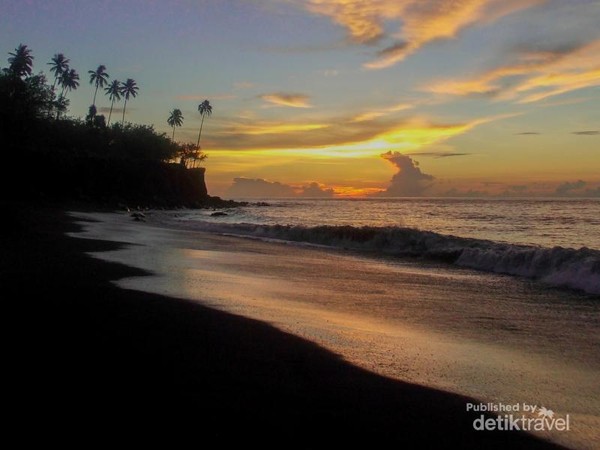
[[287, 99], [410, 181], [420, 22], [567, 187], [315, 190], [592, 192], [258, 188], [261, 188], [587, 133]]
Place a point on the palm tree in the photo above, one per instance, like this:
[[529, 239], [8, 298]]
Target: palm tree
[[175, 120], [58, 65], [99, 78], [114, 94], [21, 61], [205, 109], [69, 80], [128, 89]]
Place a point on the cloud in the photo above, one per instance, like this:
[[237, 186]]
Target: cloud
[[339, 135], [315, 190], [528, 133], [592, 192], [567, 187], [587, 133], [277, 128], [116, 110], [283, 99], [258, 188], [261, 188], [377, 113], [420, 22], [534, 76], [438, 154], [410, 181]]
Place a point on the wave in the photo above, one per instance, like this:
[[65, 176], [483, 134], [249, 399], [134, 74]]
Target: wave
[[558, 266]]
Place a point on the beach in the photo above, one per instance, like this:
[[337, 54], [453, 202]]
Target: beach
[[488, 336], [110, 360]]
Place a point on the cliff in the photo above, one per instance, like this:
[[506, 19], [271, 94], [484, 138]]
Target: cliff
[[113, 181]]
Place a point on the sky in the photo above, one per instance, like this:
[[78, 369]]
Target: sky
[[324, 98]]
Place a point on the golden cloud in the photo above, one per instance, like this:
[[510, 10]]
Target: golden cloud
[[421, 21], [539, 75], [338, 136], [372, 115], [276, 128], [283, 99]]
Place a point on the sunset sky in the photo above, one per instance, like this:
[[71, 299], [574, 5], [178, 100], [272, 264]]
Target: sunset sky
[[349, 97]]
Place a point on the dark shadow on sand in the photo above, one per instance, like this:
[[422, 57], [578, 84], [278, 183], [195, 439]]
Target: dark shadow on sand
[[92, 357]]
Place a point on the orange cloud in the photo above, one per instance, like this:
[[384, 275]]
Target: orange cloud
[[275, 128], [338, 137], [422, 21], [540, 75], [371, 115], [291, 100]]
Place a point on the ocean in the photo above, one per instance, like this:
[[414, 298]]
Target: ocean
[[556, 241], [494, 299]]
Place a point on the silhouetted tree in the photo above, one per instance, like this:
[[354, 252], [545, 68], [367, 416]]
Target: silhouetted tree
[[190, 154], [114, 94], [21, 62], [205, 109], [58, 65], [92, 111], [69, 80], [99, 78], [128, 89], [175, 120]]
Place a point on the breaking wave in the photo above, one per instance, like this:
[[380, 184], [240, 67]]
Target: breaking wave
[[558, 266]]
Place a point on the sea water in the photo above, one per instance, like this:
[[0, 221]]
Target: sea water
[[553, 240]]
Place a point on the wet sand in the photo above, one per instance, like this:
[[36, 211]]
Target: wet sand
[[91, 360]]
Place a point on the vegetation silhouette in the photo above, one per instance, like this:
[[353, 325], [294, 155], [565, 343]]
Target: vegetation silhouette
[[205, 110], [21, 61], [58, 65], [128, 89], [114, 95], [90, 159], [98, 78], [175, 120]]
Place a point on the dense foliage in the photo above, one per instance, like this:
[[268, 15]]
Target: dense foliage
[[65, 156]]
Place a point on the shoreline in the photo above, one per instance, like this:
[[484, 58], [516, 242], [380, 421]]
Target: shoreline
[[160, 358]]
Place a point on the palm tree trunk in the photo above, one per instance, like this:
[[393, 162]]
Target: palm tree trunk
[[173, 136], [200, 134], [95, 92], [110, 113], [124, 108]]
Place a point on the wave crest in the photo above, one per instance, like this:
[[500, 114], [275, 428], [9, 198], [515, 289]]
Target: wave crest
[[558, 266]]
